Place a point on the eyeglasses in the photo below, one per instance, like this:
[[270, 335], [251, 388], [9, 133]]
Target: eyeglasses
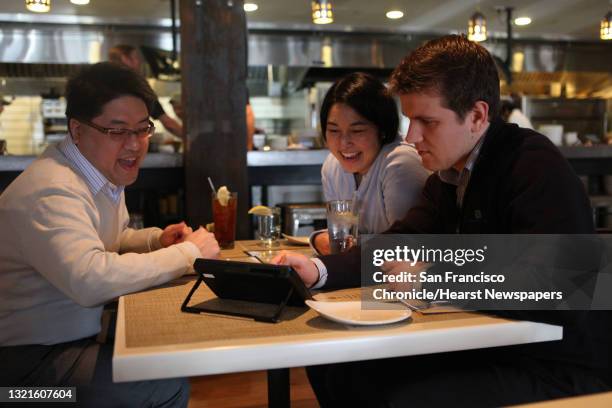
[[122, 135]]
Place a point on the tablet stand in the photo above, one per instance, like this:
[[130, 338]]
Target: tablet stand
[[267, 318]]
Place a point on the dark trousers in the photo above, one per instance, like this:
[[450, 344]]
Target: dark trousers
[[87, 365], [479, 378]]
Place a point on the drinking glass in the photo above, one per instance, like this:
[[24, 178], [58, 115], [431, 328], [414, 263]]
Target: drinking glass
[[268, 228], [224, 218], [342, 225]]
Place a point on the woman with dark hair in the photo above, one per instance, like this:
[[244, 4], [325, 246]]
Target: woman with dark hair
[[368, 160]]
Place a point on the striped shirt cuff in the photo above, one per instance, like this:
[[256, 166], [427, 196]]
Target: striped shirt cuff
[[322, 273]]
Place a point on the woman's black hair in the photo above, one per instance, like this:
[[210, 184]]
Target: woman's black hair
[[369, 98]]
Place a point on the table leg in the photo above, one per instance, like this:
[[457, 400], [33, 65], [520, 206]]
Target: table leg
[[279, 388]]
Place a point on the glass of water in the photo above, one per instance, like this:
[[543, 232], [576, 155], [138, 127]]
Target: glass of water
[[342, 225], [268, 228]]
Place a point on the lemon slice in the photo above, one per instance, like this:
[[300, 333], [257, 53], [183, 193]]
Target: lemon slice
[[223, 195], [260, 210]]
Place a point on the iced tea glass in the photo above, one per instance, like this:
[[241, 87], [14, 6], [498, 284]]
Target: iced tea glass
[[224, 217]]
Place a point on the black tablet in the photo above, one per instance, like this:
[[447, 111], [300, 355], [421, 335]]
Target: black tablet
[[252, 282]]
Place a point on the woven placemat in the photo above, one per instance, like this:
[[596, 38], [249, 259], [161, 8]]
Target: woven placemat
[[154, 318]]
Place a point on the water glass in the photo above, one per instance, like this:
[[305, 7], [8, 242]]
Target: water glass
[[342, 225], [268, 228]]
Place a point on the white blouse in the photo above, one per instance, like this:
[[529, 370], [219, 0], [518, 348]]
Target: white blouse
[[387, 191]]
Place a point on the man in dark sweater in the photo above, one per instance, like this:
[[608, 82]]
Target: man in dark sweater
[[489, 178]]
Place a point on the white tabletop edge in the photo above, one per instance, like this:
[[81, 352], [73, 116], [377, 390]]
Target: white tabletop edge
[[210, 358]]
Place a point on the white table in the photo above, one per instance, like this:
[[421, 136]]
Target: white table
[[154, 339]]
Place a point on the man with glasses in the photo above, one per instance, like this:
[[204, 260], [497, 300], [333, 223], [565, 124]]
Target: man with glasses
[[65, 249]]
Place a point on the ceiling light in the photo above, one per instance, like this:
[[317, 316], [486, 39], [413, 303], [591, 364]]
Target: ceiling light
[[322, 12], [477, 27], [522, 21], [605, 32], [395, 14], [248, 7], [38, 6], [80, 2]]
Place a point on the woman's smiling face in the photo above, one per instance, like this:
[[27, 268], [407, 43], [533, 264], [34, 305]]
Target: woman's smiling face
[[352, 139]]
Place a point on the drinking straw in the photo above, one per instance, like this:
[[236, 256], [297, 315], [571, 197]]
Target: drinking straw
[[214, 190]]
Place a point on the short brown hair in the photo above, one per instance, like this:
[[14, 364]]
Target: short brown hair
[[461, 71]]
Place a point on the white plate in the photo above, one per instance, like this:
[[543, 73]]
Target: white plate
[[352, 313], [297, 240]]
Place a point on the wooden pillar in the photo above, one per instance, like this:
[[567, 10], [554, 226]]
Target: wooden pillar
[[214, 69]]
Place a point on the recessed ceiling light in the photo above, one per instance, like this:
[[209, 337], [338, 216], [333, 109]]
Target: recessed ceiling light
[[522, 21], [248, 7], [395, 14], [80, 2]]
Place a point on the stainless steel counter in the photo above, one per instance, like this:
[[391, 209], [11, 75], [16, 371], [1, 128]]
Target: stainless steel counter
[[290, 158], [587, 152], [286, 158], [164, 160], [152, 160], [316, 157]]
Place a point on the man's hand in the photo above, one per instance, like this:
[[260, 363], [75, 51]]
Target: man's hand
[[206, 243], [307, 269], [396, 268], [174, 234], [321, 243]]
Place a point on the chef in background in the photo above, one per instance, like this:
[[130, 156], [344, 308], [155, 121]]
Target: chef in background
[[510, 111], [129, 56]]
